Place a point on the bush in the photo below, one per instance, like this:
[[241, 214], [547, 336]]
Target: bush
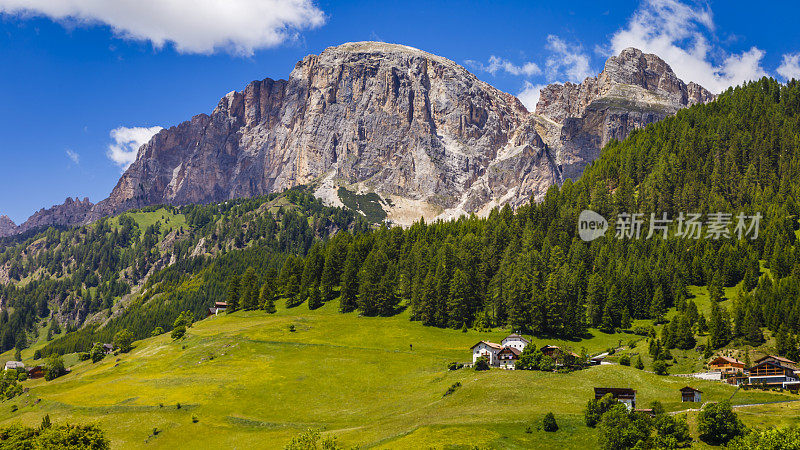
[[178, 332], [123, 339], [718, 424], [83, 356], [22, 376], [780, 438], [292, 328], [622, 429], [452, 388], [625, 360], [639, 364], [660, 367], [54, 367], [156, 331], [454, 366], [596, 408], [482, 363], [97, 353], [549, 422]]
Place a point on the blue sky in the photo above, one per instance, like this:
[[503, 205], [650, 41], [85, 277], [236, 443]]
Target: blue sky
[[81, 80]]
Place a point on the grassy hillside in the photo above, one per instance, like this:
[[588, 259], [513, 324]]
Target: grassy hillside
[[250, 382]]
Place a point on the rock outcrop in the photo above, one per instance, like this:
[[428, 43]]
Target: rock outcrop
[[416, 128], [633, 90], [71, 212], [7, 226]]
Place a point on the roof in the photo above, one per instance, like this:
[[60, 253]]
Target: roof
[[784, 361], [616, 392], [14, 364], [779, 364], [726, 359], [515, 336], [689, 388], [221, 304], [490, 344], [511, 349]]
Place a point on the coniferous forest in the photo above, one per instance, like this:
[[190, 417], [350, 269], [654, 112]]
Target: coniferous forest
[[527, 270]]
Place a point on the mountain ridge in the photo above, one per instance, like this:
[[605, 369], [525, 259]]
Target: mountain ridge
[[421, 131]]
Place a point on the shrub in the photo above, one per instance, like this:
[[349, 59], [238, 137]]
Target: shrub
[[482, 363], [292, 328], [639, 364], [660, 367], [178, 332], [625, 360], [596, 408], [84, 356], [195, 419], [97, 353], [454, 366], [156, 331], [718, 424], [123, 339], [54, 367], [549, 422], [452, 388], [22, 376]]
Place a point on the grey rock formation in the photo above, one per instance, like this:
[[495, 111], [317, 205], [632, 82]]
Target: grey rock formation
[[416, 128], [7, 226], [634, 90]]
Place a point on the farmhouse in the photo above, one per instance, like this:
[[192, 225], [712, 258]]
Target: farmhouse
[[515, 341], [623, 395], [503, 355], [35, 372], [726, 365], [507, 357], [487, 349], [14, 365], [690, 394], [560, 356], [774, 371]]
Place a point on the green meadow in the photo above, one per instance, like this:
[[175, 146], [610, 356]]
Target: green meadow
[[245, 381]]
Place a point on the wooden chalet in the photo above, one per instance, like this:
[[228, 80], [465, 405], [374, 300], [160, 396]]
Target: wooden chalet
[[690, 394], [507, 358], [217, 308], [560, 356], [35, 372], [623, 395], [726, 365], [774, 371]]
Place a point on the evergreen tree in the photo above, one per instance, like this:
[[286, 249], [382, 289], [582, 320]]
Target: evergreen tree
[[234, 293], [249, 290]]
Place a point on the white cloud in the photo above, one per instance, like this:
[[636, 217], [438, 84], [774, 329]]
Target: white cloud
[[497, 64], [127, 142], [193, 26], [677, 33], [790, 66], [73, 156], [568, 60], [529, 96]]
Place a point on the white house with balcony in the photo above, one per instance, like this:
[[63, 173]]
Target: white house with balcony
[[511, 347], [488, 349], [515, 341]]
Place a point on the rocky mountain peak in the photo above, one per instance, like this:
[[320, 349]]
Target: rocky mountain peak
[[633, 90], [421, 131]]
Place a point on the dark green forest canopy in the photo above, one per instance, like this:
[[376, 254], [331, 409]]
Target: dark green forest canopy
[[526, 269]]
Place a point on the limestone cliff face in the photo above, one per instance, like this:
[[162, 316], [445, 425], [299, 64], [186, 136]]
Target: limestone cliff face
[[372, 116], [634, 89], [418, 129]]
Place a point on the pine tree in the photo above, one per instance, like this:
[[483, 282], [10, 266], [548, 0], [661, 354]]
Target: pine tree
[[249, 290], [348, 300], [658, 306], [266, 297], [232, 298], [459, 303], [752, 330], [314, 297]]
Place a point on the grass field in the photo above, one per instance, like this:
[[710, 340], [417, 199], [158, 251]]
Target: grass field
[[251, 383]]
